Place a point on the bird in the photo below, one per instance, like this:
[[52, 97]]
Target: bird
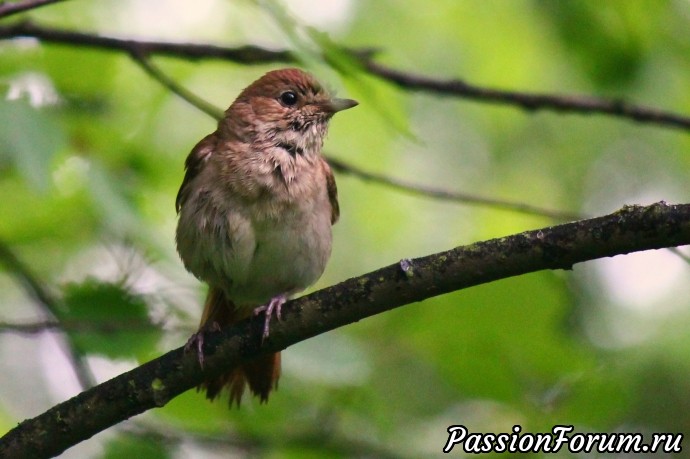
[[255, 211]]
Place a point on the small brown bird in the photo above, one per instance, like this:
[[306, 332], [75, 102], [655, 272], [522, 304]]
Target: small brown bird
[[255, 212]]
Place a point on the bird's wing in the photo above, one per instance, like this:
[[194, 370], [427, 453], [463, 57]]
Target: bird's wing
[[193, 165], [332, 190]]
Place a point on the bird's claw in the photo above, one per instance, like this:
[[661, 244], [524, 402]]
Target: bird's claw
[[196, 342], [275, 304]]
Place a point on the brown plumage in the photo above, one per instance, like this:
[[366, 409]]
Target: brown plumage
[[255, 211]]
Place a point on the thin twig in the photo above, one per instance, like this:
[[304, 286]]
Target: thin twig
[[33, 287], [440, 193], [175, 88], [8, 9], [30, 328], [190, 51], [87, 326], [452, 87], [49, 305]]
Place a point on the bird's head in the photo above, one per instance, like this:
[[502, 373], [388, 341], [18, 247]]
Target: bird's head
[[288, 108]]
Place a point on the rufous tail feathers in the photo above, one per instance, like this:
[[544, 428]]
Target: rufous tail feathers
[[261, 374]]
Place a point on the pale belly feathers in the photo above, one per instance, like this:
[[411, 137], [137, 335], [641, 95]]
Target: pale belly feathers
[[255, 260]]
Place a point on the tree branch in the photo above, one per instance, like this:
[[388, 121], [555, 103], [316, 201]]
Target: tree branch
[[32, 285], [8, 9], [450, 87], [447, 195], [112, 327], [532, 101], [633, 228], [186, 95], [190, 51]]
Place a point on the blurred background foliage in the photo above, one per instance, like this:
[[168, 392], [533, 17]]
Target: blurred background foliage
[[91, 155]]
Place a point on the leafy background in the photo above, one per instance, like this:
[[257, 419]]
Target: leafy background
[[91, 154]]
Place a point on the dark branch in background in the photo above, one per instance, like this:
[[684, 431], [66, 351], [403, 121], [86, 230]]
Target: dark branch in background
[[240, 55], [49, 305], [451, 87], [531, 101], [186, 95], [155, 383], [440, 193], [8, 9], [340, 166], [31, 328], [33, 287], [86, 326]]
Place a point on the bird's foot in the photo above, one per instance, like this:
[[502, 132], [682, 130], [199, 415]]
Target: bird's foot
[[274, 305], [196, 342]]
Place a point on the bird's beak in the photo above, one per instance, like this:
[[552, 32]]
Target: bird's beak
[[336, 105]]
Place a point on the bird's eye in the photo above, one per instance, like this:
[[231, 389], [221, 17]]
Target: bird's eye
[[288, 98]]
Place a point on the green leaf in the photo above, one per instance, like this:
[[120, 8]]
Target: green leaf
[[29, 138], [107, 319]]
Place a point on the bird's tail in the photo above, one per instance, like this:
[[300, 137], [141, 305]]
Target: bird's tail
[[260, 374]]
